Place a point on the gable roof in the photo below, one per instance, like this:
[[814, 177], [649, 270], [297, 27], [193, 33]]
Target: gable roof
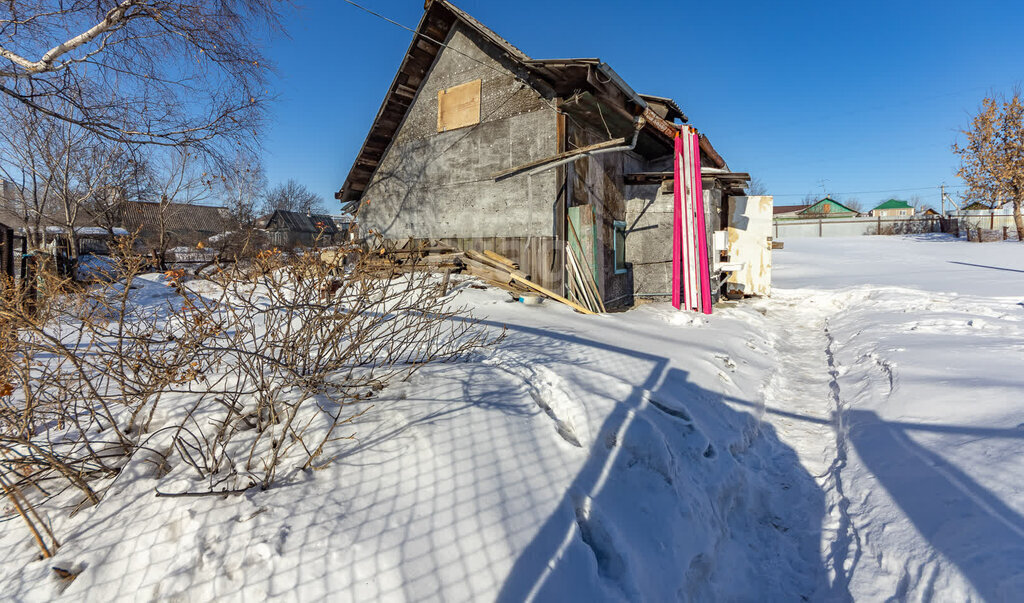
[[556, 76], [894, 204], [785, 209], [179, 217], [813, 209], [294, 221]]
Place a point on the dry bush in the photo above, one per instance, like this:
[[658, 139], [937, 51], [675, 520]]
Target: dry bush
[[224, 384]]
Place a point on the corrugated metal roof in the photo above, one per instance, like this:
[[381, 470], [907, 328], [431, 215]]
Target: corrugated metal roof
[[894, 204], [178, 217]]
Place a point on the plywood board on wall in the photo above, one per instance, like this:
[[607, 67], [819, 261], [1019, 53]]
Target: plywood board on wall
[[458, 106]]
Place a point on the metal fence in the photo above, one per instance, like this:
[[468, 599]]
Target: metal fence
[[853, 227], [991, 219]]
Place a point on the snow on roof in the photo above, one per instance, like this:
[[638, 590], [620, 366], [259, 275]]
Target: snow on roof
[[89, 231]]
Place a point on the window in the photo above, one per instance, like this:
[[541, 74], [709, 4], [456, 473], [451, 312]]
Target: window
[[619, 245]]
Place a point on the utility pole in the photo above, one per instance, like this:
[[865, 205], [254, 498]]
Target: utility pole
[[943, 198]]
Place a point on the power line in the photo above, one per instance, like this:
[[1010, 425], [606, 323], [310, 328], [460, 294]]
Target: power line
[[423, 35], [890, 190], [415, 32]]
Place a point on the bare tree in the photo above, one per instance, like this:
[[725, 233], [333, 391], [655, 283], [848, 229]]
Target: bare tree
[[141, 71], [21, 163], [56, 161], [241, 184], [79, 166], [292, 196], [178, 181], [757, 187], [992, 159], [854, 204]]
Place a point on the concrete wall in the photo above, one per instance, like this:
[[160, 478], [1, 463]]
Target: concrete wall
[[440, 185], [851, 227], [649, 211]]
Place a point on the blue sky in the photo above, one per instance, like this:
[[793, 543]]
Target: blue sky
[[860, 99]]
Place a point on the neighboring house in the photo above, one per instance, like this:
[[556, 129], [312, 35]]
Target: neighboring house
[[50, 233], [292, 228], [788, 211], [976, 206], [183, 224], [827, 208], [482, 147], [929, 212], [893, 208]]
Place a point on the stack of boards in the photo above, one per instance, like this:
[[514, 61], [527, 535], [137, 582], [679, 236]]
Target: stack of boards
[[489, 266], [691, 274]]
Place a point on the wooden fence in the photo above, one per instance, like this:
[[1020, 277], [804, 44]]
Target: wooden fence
[[12, 253]]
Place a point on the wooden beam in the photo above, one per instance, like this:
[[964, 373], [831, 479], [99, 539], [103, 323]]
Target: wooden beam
[[551, 294], [558, 157]]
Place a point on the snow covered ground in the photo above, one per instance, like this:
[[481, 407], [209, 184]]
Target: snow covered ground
[[918, 345], [858, 435]]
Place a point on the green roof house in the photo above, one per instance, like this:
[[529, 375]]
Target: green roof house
[[893, 208], [827, 208]]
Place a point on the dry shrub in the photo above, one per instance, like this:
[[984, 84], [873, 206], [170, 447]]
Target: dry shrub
[[223, 384]]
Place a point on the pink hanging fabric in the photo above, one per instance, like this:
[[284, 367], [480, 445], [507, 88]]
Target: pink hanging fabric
[[677, 225], [702, 238]]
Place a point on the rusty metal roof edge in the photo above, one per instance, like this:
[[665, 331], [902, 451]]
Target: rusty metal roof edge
[[671, 103]]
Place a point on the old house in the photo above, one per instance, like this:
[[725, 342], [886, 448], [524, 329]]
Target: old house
[[176, 224], [483, 147], [292, 228]]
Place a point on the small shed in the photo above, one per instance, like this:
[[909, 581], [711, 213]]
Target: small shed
[[292, 229]]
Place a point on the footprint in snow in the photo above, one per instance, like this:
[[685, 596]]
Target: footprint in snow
[[727, 361]]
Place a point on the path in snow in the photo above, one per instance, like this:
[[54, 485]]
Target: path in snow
[[803, 400], [905, 403]]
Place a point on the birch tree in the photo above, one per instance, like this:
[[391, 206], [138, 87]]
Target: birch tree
[[992, 157], [141, 71]]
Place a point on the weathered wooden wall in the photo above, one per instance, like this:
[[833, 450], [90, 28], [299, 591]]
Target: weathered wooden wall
[[597, 182], [536, 256]]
